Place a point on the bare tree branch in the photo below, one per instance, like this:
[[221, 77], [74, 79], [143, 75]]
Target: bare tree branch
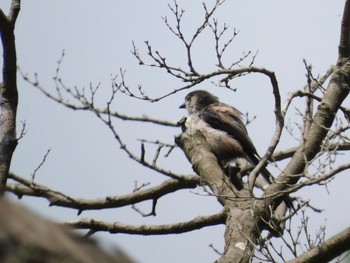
[[85, 105], [313, 86], [177, 228], [206, 166], [311, 181], [327, 251], [8, 92], [344, 43], [14, 11], [335, 93], [277, 134], [27, 188]]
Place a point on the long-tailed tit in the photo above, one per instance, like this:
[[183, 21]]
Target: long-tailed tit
[[222, 127]]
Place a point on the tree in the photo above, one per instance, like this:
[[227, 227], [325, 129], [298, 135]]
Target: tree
[[311, 162]]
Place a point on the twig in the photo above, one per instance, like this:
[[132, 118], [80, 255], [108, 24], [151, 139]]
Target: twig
[[40, 165]]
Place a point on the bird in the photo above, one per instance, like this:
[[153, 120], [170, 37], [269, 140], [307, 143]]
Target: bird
[[223, 129]]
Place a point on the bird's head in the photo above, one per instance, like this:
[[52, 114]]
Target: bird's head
[[197, 100]]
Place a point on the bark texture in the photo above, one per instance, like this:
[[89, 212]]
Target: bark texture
[[329, 250], [8, 92]]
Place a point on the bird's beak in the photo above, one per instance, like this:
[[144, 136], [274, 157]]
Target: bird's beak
[[182, 106]]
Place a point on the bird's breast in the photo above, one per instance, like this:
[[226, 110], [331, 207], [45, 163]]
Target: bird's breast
[[224, 146]]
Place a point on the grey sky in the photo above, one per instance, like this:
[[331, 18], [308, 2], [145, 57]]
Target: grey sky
[[96, 36]]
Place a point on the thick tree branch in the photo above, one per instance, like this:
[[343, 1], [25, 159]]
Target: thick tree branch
[[344, 43], [8, 92], [27, 188], [177, 228], [206, 165], [327, 251]]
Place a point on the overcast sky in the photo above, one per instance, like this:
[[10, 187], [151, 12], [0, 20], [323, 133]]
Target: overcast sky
[[97, 38]]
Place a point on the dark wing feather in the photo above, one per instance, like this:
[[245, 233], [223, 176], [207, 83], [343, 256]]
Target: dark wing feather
[[223, 117], [226, 118]]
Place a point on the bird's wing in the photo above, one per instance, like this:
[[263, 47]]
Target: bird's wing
[[226, 118], [223, 117]]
